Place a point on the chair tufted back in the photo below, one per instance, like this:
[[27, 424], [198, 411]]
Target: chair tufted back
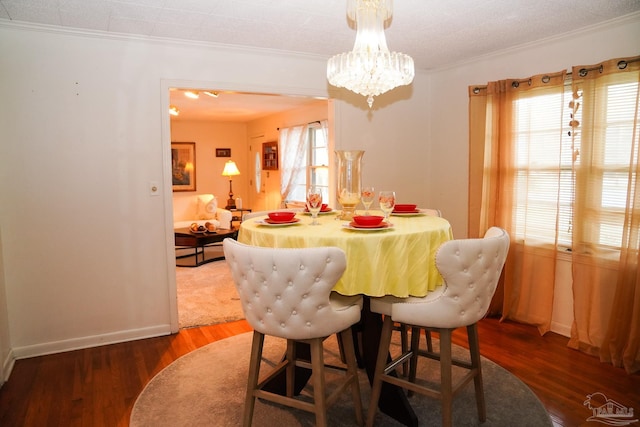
[[471, 269], [286, 292]]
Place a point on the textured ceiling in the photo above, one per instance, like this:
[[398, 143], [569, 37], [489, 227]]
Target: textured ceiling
[[435, 33]]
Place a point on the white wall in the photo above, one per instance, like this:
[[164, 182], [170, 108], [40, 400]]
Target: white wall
[[396, 140], [6, 359], [88, 251]]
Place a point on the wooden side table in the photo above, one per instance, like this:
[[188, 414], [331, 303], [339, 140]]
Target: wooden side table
[[240, 212], [185, 239]]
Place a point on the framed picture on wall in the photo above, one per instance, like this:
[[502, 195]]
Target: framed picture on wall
[[223, 152], [183, 166]]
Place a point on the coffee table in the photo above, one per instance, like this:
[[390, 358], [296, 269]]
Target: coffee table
[[185, 239]]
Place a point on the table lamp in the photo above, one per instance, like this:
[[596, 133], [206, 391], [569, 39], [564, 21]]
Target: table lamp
[[230, 169]]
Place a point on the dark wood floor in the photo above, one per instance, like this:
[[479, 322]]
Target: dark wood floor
[[98, 386]]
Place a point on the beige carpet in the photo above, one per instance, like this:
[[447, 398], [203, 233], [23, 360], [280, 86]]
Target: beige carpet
[[206, 388], [206, 295]]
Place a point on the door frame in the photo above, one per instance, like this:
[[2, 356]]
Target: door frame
[[167, 192]]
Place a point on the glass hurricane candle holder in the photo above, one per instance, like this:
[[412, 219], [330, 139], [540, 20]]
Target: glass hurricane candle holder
[[349, 181]]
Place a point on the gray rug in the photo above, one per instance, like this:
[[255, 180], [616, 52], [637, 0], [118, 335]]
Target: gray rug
[[206, 295], [206, 388]]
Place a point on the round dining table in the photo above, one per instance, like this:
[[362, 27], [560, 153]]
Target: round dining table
[[397, 259]]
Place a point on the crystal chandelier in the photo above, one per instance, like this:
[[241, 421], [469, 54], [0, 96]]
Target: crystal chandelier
[[370, 69]]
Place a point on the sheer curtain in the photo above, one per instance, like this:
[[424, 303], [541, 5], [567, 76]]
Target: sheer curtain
[[324, 128], [511, 159], [605, 280], [300, 158], [507, 173], [293, 158]]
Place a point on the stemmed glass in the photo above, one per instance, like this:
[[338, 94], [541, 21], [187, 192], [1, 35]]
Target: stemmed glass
[[367, 195], [314, 203], [387, 201]]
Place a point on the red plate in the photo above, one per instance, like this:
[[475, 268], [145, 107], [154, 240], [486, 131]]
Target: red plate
[[405, 207], [406, 212], [381, 225], [270, 221]]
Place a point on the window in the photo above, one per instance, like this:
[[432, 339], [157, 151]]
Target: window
[[538, 125], [308, 164], [609, 169], [318, 161], [549, 164]]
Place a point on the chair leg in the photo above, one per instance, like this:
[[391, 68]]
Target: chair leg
[[427, 333], [319, 395], [404, 345], [352, 372], [383, 352], [356, 332], [446, 386], [413, 365], [291, 368], [252, 380], [343, 358], [474, 349]]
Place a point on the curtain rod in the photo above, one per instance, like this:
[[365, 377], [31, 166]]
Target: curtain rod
[[302, 124], [622, 64]]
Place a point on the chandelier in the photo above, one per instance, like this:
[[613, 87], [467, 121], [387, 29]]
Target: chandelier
[[370, 69]]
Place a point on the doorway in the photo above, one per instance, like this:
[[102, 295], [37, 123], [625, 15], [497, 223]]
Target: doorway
[[196, 117]]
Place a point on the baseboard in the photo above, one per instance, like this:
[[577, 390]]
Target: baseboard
[[89, 341], [7, 367], [564, 330]]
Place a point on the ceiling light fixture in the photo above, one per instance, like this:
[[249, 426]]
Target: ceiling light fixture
[[211, 94], [193, 94], [370, 69], [173, 110]]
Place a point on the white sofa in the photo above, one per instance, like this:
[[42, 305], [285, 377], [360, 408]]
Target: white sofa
[[201, 208]]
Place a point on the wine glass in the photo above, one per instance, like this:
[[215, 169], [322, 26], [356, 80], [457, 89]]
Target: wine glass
[[314, 203], [367, 195], [387, 201]]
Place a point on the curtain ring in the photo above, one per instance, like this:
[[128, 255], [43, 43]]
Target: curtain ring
[[529, 82], [583, 72], [476, 90], [546, 79], [622, 65], [601, 68], [515, 84]]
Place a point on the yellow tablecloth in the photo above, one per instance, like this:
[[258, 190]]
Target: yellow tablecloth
[[398, 261]]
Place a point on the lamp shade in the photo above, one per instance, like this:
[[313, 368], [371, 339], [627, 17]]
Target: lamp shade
[[230, 169]]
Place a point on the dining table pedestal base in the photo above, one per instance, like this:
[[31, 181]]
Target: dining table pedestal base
[[393, 401]]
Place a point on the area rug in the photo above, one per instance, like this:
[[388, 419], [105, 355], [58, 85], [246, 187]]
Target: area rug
[[206, 388], [206, 295]]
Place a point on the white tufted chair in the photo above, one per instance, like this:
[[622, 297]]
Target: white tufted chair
[[287, 293], [471, 269], [432, 212], [404, 340]]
